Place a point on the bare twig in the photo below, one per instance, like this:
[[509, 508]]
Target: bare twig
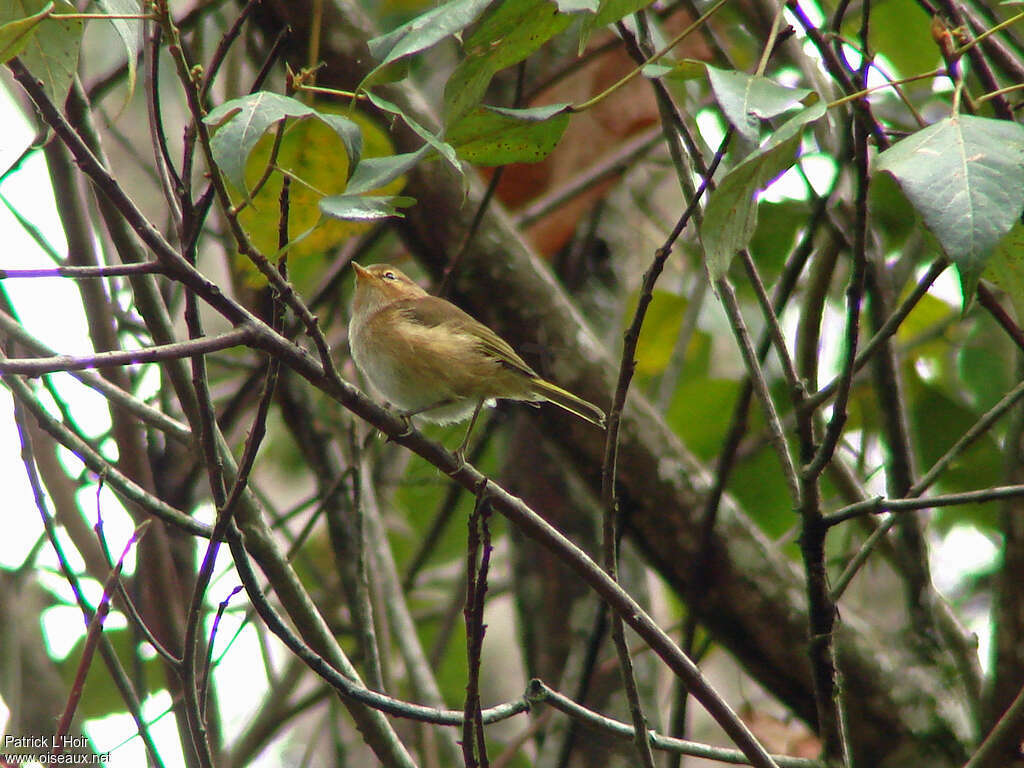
[[182, 349], [538, 692], [474, 748]]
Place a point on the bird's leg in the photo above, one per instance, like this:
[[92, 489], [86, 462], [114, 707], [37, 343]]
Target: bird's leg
[[417, 411], [460, 452], [406, 416]]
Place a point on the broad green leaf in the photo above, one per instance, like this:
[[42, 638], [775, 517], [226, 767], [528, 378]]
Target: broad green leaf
[[51, 52], [608, 12], [901, 31], [921, 330], [348, 131], [578, 6], [362, 208], [661, 327], [611, 11], [316, 157], [425, 31], [498, 136], [964, 175], [685, 69], [746, 100], [890, 211], [985, 365], [375, 172], [1006, 268], [758, 485], [443, 148], [731, 215], [242, 123], [778, 225], [14, 35], [130, 32], [696, 413], [938, 417], [507, 34]]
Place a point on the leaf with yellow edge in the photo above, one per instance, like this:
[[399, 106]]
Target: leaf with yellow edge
[[14, 35], [316, 158]]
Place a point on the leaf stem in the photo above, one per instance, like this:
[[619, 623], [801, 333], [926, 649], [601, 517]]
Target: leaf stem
[[653, 58], [891, 84], [1001, 25]]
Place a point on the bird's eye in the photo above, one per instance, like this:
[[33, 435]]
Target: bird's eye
[[390, 276]]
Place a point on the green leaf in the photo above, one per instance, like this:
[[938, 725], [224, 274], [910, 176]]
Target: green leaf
[[731, 215], [778, 225], [1006, 268], [578, 6], [746, 99], [14, 35], [937, 419], [50, 53], [375, 172], [361, 208], [685, 69], [350, 133], [311, 152], [901, 31], [608, 12], [696, 413], [506, 35], [243, 122], [611, 11], [661, 329], [425, 31], [497, 136], [443, 148], [130, 32], [985, 365], [964, 175]]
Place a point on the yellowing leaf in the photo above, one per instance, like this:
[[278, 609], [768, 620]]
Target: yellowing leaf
[[315, 156]]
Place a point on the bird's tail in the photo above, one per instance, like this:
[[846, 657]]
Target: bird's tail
[[567, 400]]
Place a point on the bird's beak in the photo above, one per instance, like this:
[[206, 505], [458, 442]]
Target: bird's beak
[[361, 272]]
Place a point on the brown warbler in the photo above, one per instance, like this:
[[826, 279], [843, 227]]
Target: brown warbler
[[430, 358]]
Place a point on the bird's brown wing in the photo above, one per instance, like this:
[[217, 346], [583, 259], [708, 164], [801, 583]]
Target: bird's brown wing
[[431, 311]]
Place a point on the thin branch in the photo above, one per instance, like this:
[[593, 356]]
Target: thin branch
[[760, 384], [888, 328], [178, 267], [605, 168], [126, 604], [537, 692], [79, 273], [446, 510], [1003, 738], [147, 413], [988, 300], [223, 46], [126, 488], [474, 747], [193, 348], [608, 493], [978, 429], [92, 639], [110, 658], [880, 504], [245, 246], [342, 684]]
